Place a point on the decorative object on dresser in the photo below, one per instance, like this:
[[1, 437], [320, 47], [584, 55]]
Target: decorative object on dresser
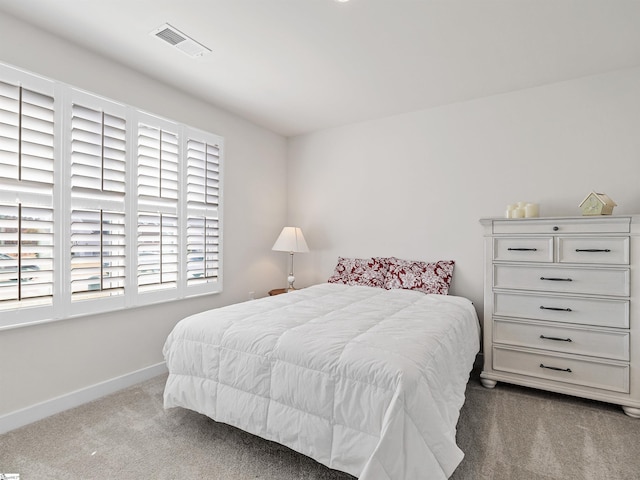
[[291, 240], [522, 210], [597, 204], [562, 306]]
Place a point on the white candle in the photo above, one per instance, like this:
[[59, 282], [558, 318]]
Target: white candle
[[531, 210], [518, 213], [521, 204], [509, 211]]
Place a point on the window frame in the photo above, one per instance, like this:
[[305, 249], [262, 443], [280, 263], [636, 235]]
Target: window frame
[[62, 306]]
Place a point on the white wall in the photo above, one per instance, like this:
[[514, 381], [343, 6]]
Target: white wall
[[39, 363], [412, 185], [415, 185]]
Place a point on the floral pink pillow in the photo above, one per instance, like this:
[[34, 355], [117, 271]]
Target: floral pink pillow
[[425, 277], [368, 272]]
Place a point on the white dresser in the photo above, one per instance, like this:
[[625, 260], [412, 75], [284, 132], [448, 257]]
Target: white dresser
[[562, 306]]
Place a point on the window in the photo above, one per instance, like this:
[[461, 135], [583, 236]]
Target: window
[[98, 149], [26, 191], [26, 246], [158, 236], [203, 190], [102, 206], [97, 253]]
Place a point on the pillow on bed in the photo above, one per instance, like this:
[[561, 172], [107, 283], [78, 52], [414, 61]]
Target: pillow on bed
[[368, 272], [413, 275]]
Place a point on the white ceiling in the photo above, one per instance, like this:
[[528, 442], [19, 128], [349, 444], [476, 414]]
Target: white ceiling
[[296, 66]]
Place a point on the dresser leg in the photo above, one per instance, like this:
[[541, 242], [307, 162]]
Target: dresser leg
[[631, 411], [487, 383]]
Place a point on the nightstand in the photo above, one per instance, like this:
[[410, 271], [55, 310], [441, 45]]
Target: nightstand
[[277, 291]]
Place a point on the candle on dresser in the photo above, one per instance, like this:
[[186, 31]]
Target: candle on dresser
[[531, 210], [509, 211], [518, 213]]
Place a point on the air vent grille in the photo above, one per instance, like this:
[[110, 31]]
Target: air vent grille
[[170, 36], [179, 40]]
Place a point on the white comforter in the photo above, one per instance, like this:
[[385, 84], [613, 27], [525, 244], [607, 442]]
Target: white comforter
[[364, 380]]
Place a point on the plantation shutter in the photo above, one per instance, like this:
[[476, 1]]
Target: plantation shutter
[[26, 246], [26, 134], [26, 193], [158, 239], [157, 251], [98, 161], [157, 163], [203, 192], [97, 253], [97, 197], [97, 150]]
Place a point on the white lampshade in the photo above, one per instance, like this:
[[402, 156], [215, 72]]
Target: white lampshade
[[291, 240]]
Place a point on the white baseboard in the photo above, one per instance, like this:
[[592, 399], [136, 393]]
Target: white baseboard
[[25, 416]]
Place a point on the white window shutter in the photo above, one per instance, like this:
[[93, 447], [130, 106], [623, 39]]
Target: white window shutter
[[203, 168], [26, 134], [102, 206], [158, 251], [26, 188], [98, 185], [97, 253], [203, 242], [157, 163], [203, 249], [9, 130], [98, 141], [158, 236], [26, 246]]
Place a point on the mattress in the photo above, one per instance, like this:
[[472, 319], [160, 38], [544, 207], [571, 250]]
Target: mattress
[[363, 380]]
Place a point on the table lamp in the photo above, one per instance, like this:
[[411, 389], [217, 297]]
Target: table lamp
[[291, 240]]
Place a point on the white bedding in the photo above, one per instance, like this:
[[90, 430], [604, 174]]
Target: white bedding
[[364, 380]]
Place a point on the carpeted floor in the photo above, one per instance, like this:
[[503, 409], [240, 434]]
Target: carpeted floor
[[517, 433], [509, 433]]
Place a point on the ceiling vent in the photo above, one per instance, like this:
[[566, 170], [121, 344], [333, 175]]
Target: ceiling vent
[[179, 40]]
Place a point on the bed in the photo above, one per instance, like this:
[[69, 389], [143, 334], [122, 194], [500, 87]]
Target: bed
[[365, 380]]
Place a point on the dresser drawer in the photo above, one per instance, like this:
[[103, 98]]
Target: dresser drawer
[[594, 250], [609, 344], [564, 309], [575, 370], [594, 281], [523, 249], [563, 225]]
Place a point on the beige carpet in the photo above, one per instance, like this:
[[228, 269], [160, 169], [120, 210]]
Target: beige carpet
[[508, 433], [516, 433]]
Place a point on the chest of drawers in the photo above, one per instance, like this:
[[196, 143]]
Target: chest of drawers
[[561, 306]]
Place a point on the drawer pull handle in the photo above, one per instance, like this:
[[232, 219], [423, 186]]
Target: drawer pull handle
[[556, 339], [556, 309], [542, 365], [593, 250], [522, 249], [554, 279]]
